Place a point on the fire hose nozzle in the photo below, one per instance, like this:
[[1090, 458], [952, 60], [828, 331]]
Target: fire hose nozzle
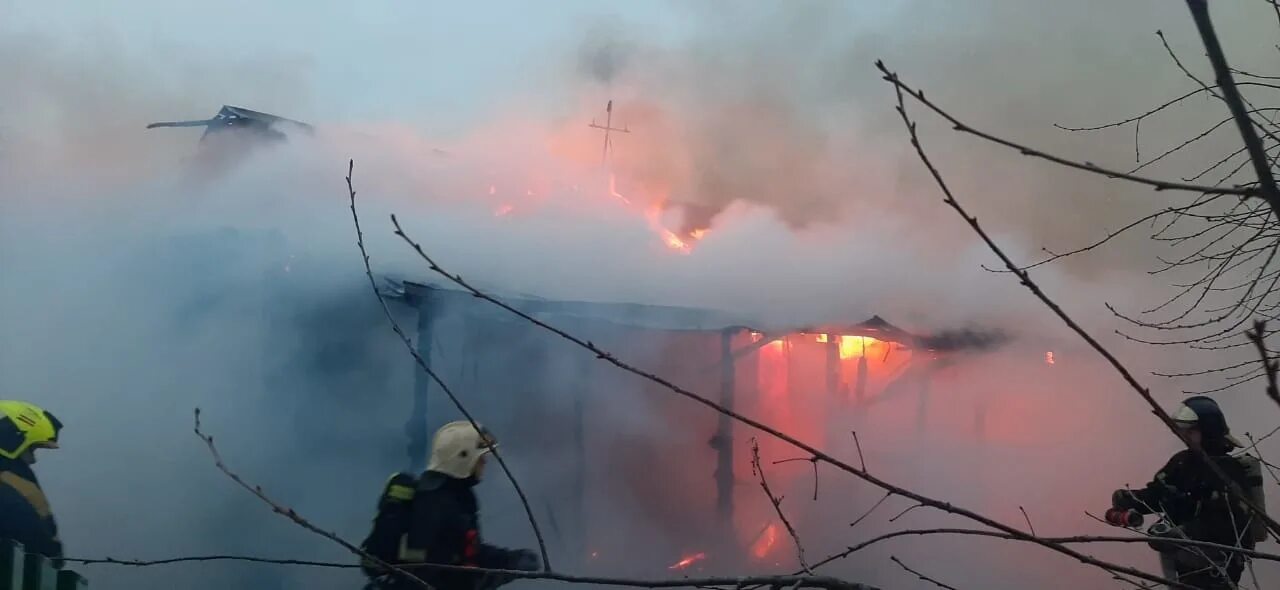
[[1123, 518]]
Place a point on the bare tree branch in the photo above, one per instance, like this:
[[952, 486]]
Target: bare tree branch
[[1025, 278], [1159, 185], [457, 403], [1231, 95]]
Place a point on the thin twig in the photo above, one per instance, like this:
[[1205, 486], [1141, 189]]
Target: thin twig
[[291, 514], [422, 363], [886, 496], [904, 512], [920, 575], [861, 460], [1030, 526], [814, 462], [777, 504]]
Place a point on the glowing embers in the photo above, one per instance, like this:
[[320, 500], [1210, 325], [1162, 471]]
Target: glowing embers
[[687, 561]]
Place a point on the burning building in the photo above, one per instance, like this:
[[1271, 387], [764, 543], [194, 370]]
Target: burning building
[[611, 447]]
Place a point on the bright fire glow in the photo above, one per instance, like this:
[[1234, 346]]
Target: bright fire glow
[[765, 543], [1048, 358], [855, 346], [851, 346], [688, 561]]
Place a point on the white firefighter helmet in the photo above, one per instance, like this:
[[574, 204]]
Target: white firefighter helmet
[[457, 447]]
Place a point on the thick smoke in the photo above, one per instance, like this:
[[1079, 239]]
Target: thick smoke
[[140, 284]]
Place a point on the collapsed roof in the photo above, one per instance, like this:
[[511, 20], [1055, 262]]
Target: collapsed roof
[[232, 118], [674, 318]]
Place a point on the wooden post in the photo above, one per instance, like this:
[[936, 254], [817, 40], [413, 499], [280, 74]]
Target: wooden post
[[724, 432], [922, 402], [416, 427], [11, 562], [580, 474], [833, 367], [860, 386]]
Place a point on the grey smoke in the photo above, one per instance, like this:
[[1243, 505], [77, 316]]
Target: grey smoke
[[131, 296]]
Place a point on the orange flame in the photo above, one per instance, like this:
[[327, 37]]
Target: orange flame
[[766, 542], [653, 214], [688, 561], [1048, 358]]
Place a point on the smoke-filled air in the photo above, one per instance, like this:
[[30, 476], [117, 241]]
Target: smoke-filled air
[[721, 194]]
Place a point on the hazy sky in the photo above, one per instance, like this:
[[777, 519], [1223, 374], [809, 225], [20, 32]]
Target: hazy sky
[[437, 64]]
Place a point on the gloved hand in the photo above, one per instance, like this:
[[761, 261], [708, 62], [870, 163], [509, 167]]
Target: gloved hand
[[525, 561]]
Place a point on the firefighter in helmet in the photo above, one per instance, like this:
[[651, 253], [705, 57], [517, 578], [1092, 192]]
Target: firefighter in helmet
[[1195, 502], [434, 519], [25, 516]]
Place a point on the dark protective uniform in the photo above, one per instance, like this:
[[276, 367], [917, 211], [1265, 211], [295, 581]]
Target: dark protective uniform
[[445, 529], [25, 516], [1192, 497]]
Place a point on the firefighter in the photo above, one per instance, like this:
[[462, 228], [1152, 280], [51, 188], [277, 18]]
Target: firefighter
[[25, 516], [1195, 502], [434, 518]]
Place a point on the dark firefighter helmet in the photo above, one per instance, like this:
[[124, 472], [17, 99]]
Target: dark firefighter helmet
[[1204, 414]]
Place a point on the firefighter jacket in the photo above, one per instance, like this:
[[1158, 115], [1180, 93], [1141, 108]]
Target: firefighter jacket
[[445, 529], [1192, 497], [25, 516]]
